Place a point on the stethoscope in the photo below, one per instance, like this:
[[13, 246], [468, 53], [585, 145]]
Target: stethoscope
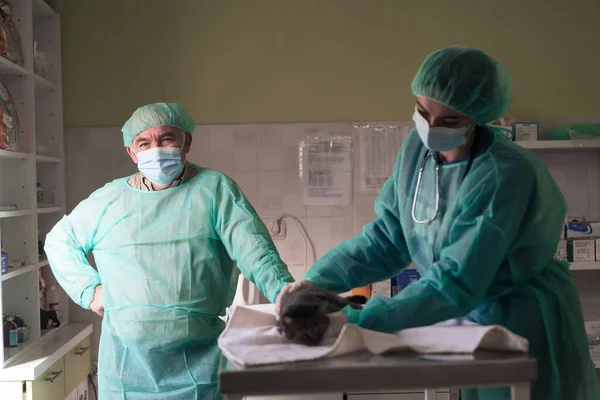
[[438, 161]]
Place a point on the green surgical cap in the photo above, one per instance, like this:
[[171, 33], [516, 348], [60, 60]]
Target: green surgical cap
[[466, 80], [157, 114]]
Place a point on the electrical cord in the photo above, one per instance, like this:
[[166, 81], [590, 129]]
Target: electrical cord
[[94, 386], [305, 237]]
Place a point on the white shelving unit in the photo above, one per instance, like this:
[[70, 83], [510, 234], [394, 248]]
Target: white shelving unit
[[585, 266], [567, 145], [591, 144], [38, 158]]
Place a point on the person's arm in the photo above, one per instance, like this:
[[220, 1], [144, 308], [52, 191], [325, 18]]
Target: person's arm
[[379, 252], [247, 240], [67, 247], [489, 220]]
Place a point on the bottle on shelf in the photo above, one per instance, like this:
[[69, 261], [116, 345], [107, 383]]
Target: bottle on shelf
[[22, 330], [10, 332], [41, 252], [40, 194]]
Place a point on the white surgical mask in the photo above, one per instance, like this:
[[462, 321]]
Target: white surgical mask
[[439, 138], [160, 164]]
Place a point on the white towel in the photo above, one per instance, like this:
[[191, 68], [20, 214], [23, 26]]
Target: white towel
[[251, 338]]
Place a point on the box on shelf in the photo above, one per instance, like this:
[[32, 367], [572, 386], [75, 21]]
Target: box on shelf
[[388, 287], [526, 131], [402, 280], [3, 263], [592, 330], [581, 250], [561, 251], [3, 256], [583, 229], [383, 288]]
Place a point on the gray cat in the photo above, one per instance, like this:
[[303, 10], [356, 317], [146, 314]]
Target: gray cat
[[303, 317]]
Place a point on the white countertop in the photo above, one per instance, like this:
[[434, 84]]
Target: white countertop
[[42, 356]]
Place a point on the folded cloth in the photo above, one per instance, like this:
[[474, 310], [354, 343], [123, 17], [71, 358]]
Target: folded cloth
[[252, 338]]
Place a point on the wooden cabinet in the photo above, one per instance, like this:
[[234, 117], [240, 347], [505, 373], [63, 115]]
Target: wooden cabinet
[[80, 392], [50, 386], [77, 365], [56, 369], [32, 174]]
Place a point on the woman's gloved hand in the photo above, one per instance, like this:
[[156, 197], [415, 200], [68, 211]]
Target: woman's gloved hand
[[290, 287]]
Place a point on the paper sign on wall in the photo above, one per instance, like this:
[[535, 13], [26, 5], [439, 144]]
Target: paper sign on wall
[[379, 147], [326, 170]]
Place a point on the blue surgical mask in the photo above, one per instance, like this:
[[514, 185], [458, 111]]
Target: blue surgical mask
[[438, 138], [160, 164]]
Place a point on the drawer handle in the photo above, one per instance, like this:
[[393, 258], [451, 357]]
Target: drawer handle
[[54, 376], [82, 351]]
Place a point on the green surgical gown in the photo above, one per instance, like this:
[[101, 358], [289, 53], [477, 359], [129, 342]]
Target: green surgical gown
[[488, 256], [168, 264]]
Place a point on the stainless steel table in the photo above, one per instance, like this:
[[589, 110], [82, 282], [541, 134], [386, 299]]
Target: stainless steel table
[[363, 372]]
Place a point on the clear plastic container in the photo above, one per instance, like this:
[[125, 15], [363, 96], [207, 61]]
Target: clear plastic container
[[22, 330]]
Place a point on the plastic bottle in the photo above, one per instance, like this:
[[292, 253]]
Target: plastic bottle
[[40, 193], [21, 329], [10, 333]]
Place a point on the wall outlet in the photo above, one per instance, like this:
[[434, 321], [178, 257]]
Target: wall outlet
[[277, 228]]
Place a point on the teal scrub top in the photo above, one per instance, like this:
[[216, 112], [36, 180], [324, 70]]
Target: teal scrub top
[[488, 256]]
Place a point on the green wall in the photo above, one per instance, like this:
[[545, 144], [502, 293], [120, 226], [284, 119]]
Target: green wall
[[236, 61]]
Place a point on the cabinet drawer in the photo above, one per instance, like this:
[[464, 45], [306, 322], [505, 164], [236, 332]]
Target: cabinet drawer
[[51, 385], [82, 390], [72, 396], [77, 364]]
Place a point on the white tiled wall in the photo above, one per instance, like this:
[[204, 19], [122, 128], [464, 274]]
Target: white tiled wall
[[263, 159]]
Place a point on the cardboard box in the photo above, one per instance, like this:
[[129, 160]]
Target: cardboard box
[[403, 279], [526, 131], [581, 250], [592, 330], [561, 250], [3, 256], [383, 288], [3, 263], [583, 229]]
